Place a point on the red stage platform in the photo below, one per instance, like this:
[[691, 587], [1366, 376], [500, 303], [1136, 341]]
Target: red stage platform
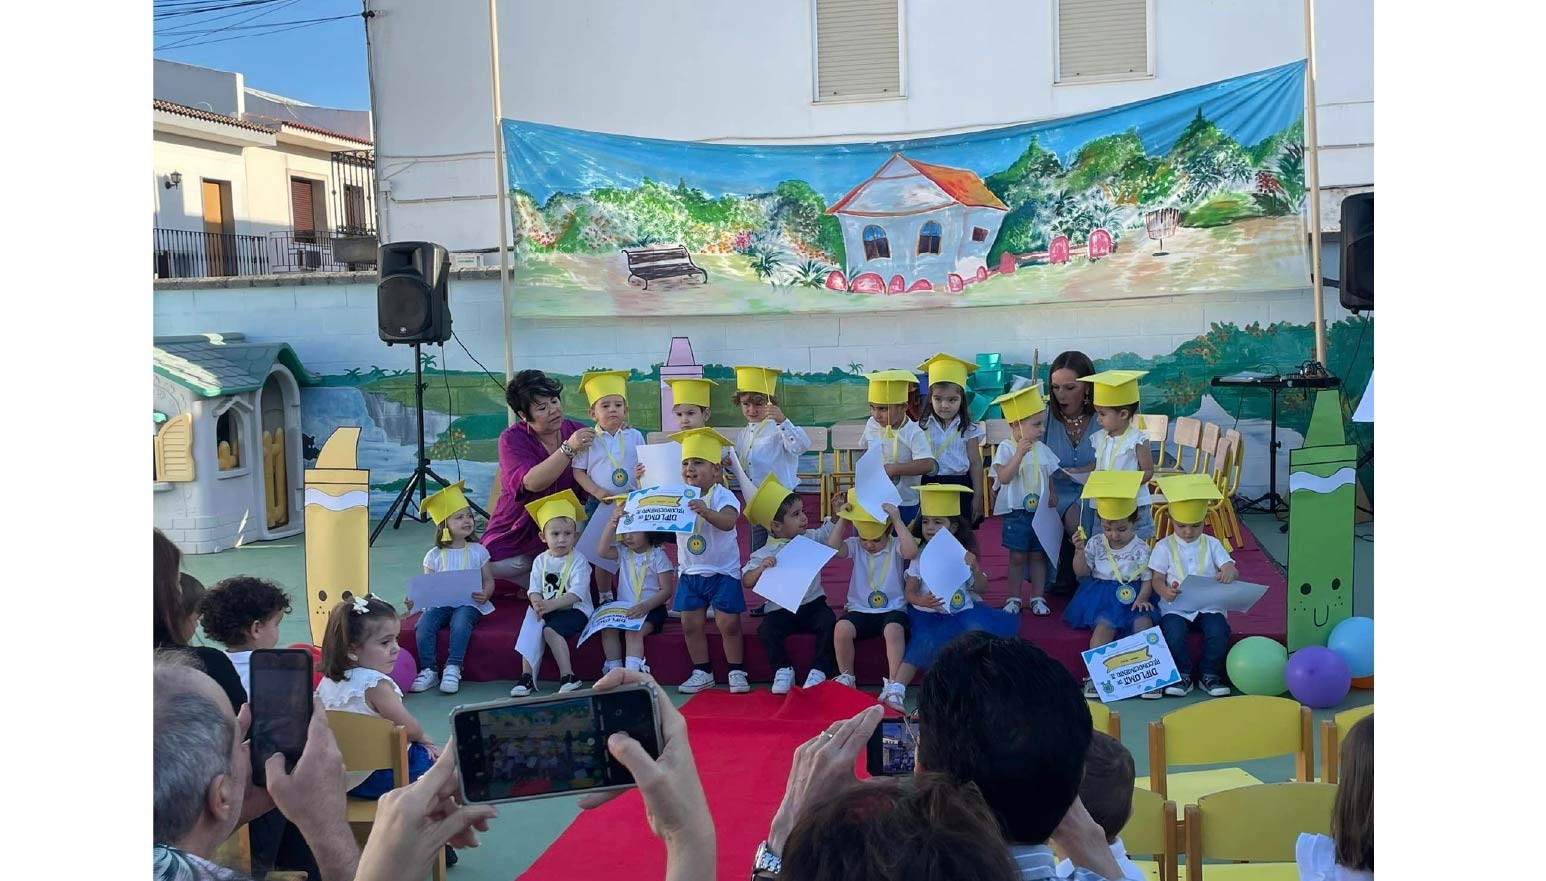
[[491, 654]]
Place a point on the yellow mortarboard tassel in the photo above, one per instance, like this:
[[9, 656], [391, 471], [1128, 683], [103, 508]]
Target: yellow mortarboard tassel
[[1115, 388], [948, 368], [890, 386], [1188, 496], [691, 390], [562, 504], [941, 499], [441, 505], [445, 533], [758, 380], [867, 526], [1021, 403], [1115, 493], [702, 443], [764, 504], [603, 383]]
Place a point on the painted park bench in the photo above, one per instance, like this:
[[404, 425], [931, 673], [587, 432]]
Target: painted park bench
[[648, 264]]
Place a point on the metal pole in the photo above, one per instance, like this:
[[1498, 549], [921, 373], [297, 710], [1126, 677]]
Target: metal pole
[[502, 196], [1312, 145]]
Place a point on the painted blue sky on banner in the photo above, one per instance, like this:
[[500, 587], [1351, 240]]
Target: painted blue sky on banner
[[544, 160]]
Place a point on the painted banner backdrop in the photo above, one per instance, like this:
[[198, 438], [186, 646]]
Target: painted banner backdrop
[[1200, 190]]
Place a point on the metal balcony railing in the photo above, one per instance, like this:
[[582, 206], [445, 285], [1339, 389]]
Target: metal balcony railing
[[181, 253]]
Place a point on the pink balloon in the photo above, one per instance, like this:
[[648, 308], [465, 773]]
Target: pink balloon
[[403, 671]]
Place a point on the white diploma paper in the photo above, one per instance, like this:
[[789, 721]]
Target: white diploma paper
[[799, 562], [451, 589]]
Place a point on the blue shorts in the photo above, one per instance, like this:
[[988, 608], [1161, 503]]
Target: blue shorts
[[723, 592], [1018, 534], [379, 783]]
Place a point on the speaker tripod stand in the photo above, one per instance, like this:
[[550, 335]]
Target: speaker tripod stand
[[422, 472]]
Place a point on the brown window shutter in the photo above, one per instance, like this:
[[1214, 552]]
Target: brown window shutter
[[300, 201]]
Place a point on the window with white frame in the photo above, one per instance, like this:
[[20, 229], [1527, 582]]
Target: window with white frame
[[1103, 40], [858, 49]]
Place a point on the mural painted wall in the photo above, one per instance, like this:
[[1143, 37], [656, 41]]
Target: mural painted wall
[[1200, 190]]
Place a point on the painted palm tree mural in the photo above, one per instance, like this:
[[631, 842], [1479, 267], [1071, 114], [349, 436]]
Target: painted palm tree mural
[[1051, 211]]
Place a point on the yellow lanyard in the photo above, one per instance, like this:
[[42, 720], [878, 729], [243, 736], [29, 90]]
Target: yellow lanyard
[[746, 457], [950, 438], [877, 583], [1175, 557], [696, 543], [1031, 496], [637, 570], [1122, 578], [563, 579], [619, 473], [1107, 445], [895, 437]]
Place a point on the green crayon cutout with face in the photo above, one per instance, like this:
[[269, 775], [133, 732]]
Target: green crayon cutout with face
[[1322, 480]]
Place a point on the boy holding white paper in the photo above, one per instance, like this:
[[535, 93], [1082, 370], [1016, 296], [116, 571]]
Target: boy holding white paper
[[904, 448], [781, 511], [1188, 551]]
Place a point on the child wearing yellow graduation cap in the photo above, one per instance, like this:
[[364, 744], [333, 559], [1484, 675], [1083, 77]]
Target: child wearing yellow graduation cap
[[1119, 445], [904, 447], [781, 511], [607, 466], [709, 559], [1022, 473], [690, 401], [1189, 551], [876, 602], [559, 592], [939, 613], [456, 548], [645, 577], [1114, 593], [770, 444], [947, 422]]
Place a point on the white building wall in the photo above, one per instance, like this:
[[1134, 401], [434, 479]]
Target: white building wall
[[182, 207], [218, 91]]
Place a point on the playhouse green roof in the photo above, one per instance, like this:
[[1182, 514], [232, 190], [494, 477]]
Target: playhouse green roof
[[215, 364]]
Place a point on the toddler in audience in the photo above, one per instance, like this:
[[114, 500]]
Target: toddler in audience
[[359, 649], [955, 439], [456, 549], [1119, 445], [243, 613], [645, 578], [770, 444], [709, 560], [1107, 793], [903, 446], [1022, 473], [1114, 593], [559, 593], [781, 511], [1188, 551], [876, 601]]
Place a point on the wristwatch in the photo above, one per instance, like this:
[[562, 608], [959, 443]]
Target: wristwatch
[[767, 865]]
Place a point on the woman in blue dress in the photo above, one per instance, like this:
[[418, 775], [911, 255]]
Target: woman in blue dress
[[1071, 421]]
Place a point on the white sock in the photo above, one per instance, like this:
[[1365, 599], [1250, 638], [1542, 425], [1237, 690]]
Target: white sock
[[609, 666], [634, 663]]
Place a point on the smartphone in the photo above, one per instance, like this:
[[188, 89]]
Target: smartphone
[[279, 701], [891, 751], [541, 746]]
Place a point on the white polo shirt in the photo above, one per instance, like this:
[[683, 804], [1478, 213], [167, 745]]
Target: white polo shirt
[[772, 448]]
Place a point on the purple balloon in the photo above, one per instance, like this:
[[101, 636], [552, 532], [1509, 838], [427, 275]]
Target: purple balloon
[[403, 671], [1317, 677]]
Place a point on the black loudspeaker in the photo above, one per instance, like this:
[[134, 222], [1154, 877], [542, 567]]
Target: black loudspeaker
[[411, 304], [1356, 290]]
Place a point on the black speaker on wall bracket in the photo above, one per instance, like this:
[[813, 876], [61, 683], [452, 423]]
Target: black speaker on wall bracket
[[411, 303]]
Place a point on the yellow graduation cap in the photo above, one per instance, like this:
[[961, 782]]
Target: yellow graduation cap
[[1115, 493], [890, 386], [602, 383], [441, 505], [1188, 496], [941, 499], [867, 526], [763, 505], [759, 380], [703, 443], [564, 504], [947, 368], [692, 390], [1021, 403], [1115, 388]]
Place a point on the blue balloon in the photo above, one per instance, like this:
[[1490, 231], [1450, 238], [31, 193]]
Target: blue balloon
[[1353, 639]]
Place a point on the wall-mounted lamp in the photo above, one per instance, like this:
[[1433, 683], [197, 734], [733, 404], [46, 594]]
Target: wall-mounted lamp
[[174, 180]]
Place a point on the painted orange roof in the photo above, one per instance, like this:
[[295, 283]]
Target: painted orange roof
[[960, 184]]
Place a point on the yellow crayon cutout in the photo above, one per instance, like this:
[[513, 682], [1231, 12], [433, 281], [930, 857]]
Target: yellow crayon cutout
[[337, 528], [1135, 656]]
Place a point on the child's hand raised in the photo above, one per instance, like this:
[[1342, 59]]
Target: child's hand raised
[[1024, 444], [1079, 540], [840, 501], [776, 413], [891, 510], [408, 605]]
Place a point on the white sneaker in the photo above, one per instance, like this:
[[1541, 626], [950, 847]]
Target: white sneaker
[[1180, 689], [740, 685], [783, 680], [451, 682], [569, 683], [425, 680], [894, 695], [846, 679], [815, 678], [524, 686], [698, 681]]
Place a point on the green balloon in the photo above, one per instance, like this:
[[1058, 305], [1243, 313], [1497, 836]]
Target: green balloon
[[1256, 665]]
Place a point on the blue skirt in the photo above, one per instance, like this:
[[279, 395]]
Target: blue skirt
[[930, 631], [1101, 601], [379, 783]]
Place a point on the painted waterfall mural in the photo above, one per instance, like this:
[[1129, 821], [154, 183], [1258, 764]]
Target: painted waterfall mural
[[1201, 190]]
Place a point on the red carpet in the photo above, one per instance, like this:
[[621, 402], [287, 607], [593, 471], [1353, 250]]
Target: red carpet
[[491, 654], [743, 745]]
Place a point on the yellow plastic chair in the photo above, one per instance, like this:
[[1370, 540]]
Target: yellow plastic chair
[[1152, 830], [1223, 730], [1103, 718], [1188, 436], [1333, 732], [368, 743], [847, 440], [1157, 428], [1256, 825], [995, 431], [236, 853]]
